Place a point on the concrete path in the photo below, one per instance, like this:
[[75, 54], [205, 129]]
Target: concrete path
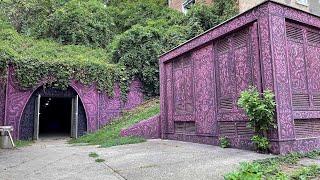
[[154, 159]]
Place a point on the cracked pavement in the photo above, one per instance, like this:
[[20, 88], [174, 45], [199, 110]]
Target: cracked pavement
[[155, 159]]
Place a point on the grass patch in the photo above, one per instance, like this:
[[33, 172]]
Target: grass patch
[[110, 134], [93, 155], [22, 143], [281, 167], [99, 160]]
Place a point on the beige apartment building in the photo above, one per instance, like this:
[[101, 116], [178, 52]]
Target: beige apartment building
[[312, 6]]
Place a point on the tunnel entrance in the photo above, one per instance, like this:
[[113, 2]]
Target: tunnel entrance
[[55, 117], [52, 113]]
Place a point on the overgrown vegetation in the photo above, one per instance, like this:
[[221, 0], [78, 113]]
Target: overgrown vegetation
[[281, 167], [131, 33], [35, 60], [260, 109], [224, 142], [110, 134]]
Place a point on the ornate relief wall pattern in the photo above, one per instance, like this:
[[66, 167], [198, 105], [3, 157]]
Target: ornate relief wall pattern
[[183, 85], [297, 67], [204, 87], [135, 95], [274, 63], [169, 100], [313, 67], [15, 103], [283, 92], [225, 74], [243, 65], [89, 97]]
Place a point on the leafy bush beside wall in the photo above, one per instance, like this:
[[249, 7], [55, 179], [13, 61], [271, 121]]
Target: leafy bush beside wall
[[260, 109]]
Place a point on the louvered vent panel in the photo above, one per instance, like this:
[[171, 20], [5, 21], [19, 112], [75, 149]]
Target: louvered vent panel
[[313, 37], [223, 46], [240, 39], [300, 100], [305, 128], [190, 127], [227, 129], [243, 129], [226, 103], [185, 127], [294, 32], [316, 100], [179, 126]]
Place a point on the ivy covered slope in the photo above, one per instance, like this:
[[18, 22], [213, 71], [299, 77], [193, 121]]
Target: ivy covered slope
[[37, 59], [110, 134], [133, 33]]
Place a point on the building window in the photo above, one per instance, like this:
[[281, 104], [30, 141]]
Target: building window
[[303, 2], [187, 5]]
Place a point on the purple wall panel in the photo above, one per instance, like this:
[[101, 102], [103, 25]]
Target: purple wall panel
[[204, 87], [3, 84], [169, 98], [283, 88], [90, 98], [135, 95], [16, 99]]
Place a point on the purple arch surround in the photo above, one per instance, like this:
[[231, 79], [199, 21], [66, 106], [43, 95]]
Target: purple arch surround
[[99, 107]]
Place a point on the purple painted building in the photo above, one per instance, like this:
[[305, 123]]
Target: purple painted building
[[73, 112], [271, 46]]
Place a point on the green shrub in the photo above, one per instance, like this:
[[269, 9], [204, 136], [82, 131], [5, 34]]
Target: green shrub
[[260, 142], [259, 108], [224, 142], [82, 22], [139, 47], [212, 15], [260, 111], [30, 16]]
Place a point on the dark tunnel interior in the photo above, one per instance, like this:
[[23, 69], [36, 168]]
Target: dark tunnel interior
[[55, 116]]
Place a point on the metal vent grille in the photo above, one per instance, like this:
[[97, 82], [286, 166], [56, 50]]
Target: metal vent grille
[[179, 126], [306, 128], [226, 103], [300, 100], [227, 129], [185, 127], [243, 129], [240, 39], [316, 100], [313, 37], [294, 33], [223, 46]]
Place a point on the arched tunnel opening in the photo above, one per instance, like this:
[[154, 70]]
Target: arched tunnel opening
[[51, 112]]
